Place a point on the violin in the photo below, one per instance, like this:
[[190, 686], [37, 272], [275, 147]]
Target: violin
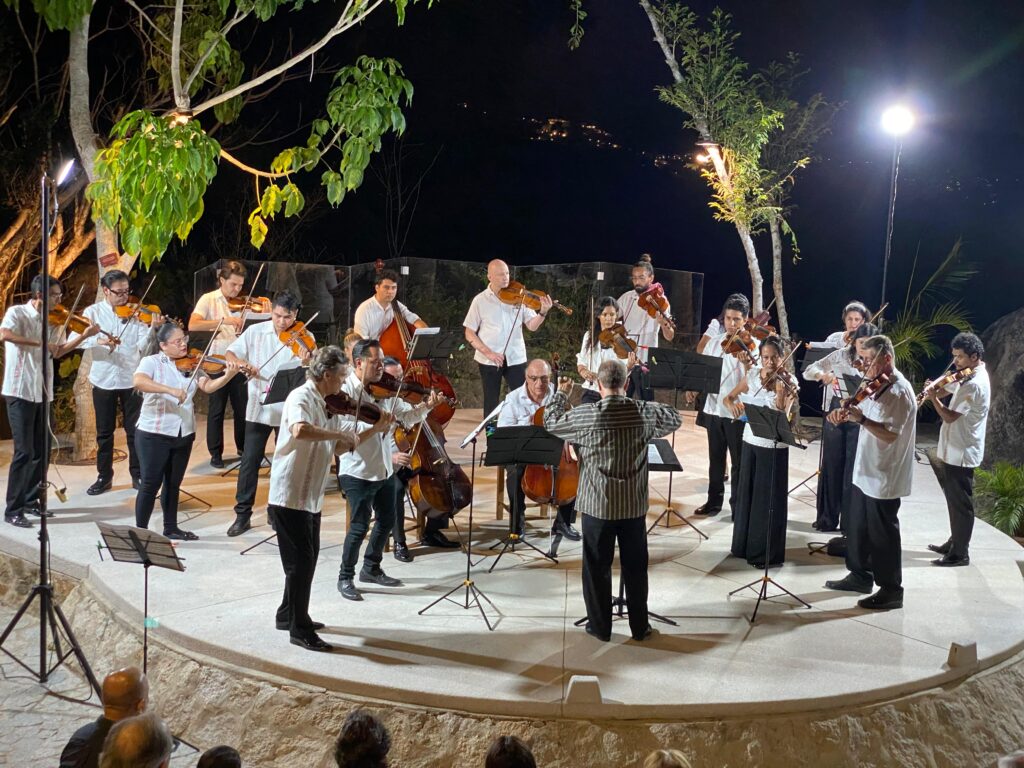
[[410, 391], [552, 485], [950, 377], [616, 338], [209, 364], [867, 390], [343, 405], [438, 486], [59, 315], [783, 377], [258, 304], [743, 343], [516, 294], [653, 302], [144, 312], [297, 339]]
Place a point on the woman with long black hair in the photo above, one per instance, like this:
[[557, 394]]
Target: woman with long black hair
[[592, 353]]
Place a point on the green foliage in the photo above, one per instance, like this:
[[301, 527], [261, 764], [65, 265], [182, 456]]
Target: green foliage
[[58, 14], [151, 180], [576, 30], [1000, 494]]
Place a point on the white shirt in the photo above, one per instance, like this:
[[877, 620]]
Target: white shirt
[[258, 344], [21, 363], [372, 319], [214, 306], [591, 359], [493, 321], [732, 374], [640, 326], [962, 442], [834, 340], [300, 467], [161, 414], [838, 364], [518, 409], [758, 395], [371, 459], [113, 368], [885, 471], [714, 328]]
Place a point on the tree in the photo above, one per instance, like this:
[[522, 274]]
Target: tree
[[402, 186]]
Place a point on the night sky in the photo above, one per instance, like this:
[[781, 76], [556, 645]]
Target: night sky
[[483, 71]]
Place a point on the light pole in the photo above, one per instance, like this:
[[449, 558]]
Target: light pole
[[897, 121]]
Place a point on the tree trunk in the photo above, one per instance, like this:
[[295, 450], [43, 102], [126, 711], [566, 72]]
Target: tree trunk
[[756, 281], [775, 227]]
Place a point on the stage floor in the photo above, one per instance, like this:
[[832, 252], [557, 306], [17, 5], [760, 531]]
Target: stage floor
[[714, 663]]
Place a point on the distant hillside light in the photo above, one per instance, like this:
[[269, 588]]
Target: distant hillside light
[[897, 120]]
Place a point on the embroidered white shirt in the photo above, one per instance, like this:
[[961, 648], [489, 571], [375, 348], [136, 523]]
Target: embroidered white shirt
[[591, 359], [640, 326], [214, 306], [962, 442], [885, 471], [21, 363], [161, 414], [519, 409], [732, 374], [113, 368], [259, 344], [371, 319], [496, 322]]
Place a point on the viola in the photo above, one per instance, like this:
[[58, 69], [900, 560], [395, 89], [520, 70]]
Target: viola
[[210, 364], [144, 312], [438, 486], [343, 405], [950, 377], [869, 389], [396, 340], [616, 338], [258, 304], [517, 293], [60, 316], [298, 339], [653, 302], [552, 485]]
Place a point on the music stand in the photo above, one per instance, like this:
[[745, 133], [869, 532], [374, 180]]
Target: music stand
[[127, 544], [434, 344], [811, 356], [677, 370], [518, 447], [472, 590], [769, 424]]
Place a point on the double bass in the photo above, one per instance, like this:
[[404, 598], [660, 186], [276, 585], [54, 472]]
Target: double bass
[[437, 485], [396, 340], [552, 485]]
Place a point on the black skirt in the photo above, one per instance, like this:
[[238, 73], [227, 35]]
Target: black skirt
[[764, 473]]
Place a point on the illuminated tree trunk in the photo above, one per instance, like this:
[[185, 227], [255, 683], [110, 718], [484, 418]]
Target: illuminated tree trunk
[[774, 226]]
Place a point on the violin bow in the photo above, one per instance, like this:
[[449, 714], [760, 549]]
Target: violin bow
[[252, 288], [67, 320], [782, 368], [138, 306], [515, 323], [199, 365], [285, 346]]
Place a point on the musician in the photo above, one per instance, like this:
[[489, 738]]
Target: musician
[[855, 314], [211, 308], [592, 353], [495, 330], [167, 424], [612, 437], [23, 384], [367, 473], [260, 353], [838, 442], [725, 432], [114, 360], [307, 441], [764, 468], [882, 475], [375, 314], [641, 327], [518, 410], [961, 445]]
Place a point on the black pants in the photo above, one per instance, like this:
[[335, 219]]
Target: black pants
[[365, 497], [724, 436], [517, 500], [298, 539], [599, 538], [236, 391], [838, 451], [763, 476], [430, 524], [256, 437], [873, 546], [957, 485], [162, 464], [27, 425], [639, 385], [105, 403], [491, 376]]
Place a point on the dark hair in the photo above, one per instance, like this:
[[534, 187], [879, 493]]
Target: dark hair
[[882, 345], [773, 341], [737, 302], [385, 274], [363, 742], [603, 303], [389, 360], [287, 301], [220, 757], [969, 344], [862, 331], [325, 359], [163, 333], [859, 308], [360, 350], [113, 276], [36, 286], [231, 267], [509, 752], [645, 264]]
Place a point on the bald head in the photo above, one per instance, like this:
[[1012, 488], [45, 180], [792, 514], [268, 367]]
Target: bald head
[[538, 380], [125, 693], [497, 274]]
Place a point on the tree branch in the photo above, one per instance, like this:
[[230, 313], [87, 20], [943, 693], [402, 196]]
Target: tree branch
[[180, 96], [145, 17], [209, 51], [248, 168]]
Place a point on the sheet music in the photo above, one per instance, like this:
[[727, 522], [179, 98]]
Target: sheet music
[[653, 456], [426, 331]]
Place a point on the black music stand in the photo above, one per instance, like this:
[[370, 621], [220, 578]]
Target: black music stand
[[677, 370], [769, 424], [619, 610], [127, 544], [518, 447], [434, 344]]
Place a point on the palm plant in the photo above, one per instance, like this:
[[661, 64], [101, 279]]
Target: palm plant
[[1000, 495]]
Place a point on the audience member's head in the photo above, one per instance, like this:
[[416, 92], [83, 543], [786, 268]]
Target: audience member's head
[[666, 758], [509, 752], [125, 693], [363, 742], [142, 741], [220, 757]]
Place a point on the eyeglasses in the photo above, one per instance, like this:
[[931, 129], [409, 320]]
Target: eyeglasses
[[124, 292], [179, 340], [539, 378]]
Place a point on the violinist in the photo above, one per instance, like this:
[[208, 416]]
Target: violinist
[[211, 308], [518, 410], [640, 326], [961, 445], [375, 314], [725, 431], [23, 390], [882, 474], [114, 359], [855, 314], [167, 425], [593, 352], [764, 467], [838, 441], [258, 352], [495, 330], [367, 472]]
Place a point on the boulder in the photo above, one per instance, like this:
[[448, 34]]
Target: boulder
[[1004, 357]]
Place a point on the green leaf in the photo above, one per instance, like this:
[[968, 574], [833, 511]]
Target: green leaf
[[257, 231], [294, 201], [270, 202]]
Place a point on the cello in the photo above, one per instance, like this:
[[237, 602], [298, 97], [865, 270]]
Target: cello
[[396, 340], [437, 485], [552, 485]]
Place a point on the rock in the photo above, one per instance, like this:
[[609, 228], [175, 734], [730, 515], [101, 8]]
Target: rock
[[1004, 358]]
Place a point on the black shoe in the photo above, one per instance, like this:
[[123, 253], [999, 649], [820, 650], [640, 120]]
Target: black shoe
[[850, 584], [951, 561], [100, 486], [646, 634], [883, 601], [567, 530], [311, 642], [706, 510], [593, 633], [348, 590], [402, 553], [240, 526], [379, 577], [136, 483], [179, 535], [284, 625], [438, 539], [941, 549], [18, 521], [217, 461], [34, 509]]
